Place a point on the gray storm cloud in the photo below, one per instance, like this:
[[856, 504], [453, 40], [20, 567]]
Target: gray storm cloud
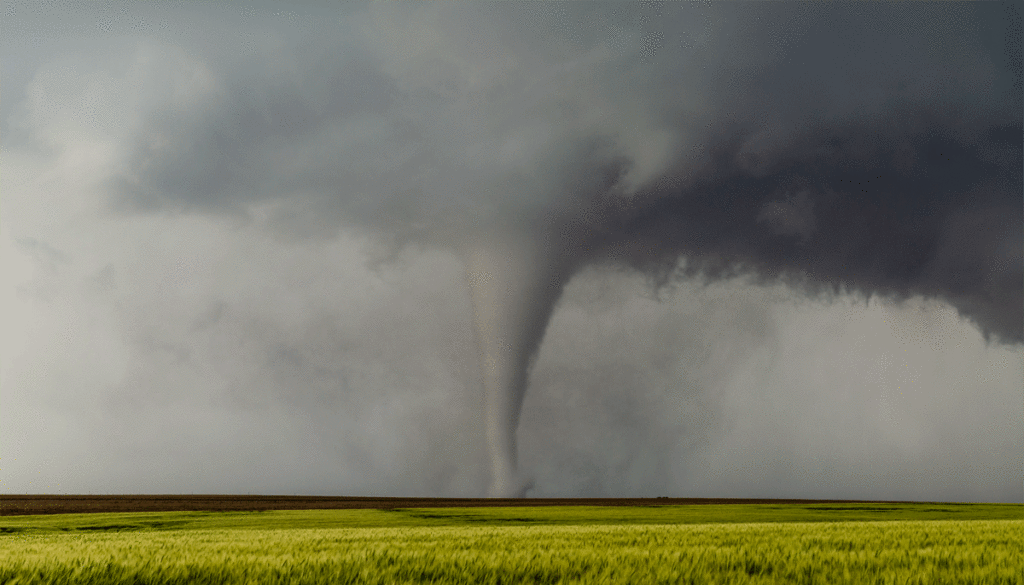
[[865, 148]]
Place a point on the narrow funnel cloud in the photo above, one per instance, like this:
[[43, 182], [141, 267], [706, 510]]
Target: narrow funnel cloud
[[514, 283]]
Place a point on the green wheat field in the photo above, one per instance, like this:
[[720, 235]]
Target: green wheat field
[[738, 543]]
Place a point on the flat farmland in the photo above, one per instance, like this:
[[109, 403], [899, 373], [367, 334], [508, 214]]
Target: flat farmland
[[650, 541]]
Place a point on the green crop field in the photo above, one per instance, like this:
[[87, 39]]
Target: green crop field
[[849, 543]]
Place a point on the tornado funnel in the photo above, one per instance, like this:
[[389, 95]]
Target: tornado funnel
[[514, 283]]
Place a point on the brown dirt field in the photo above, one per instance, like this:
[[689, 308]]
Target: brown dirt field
[[11, 505]]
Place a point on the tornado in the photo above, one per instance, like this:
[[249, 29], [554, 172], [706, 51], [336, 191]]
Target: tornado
[[785, 142], [514, 282]]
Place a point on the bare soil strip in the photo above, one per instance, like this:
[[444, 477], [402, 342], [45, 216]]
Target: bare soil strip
[[12, 505]]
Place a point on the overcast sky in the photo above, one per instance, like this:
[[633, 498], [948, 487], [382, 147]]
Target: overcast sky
[[233, 240]]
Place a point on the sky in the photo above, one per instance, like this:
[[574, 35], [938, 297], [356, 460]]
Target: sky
[[554, 250]]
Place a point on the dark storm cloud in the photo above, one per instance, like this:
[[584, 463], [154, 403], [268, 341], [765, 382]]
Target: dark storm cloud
[[874, 148], [932, 216]]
